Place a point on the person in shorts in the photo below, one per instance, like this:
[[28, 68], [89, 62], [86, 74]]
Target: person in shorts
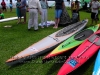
[[75, 8], [3, 4], [59, 5], [94, 11]]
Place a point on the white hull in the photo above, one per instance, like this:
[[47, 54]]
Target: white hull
[[45, 44], [9, 19]]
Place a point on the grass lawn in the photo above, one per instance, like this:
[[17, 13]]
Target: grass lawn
[[17, 38]]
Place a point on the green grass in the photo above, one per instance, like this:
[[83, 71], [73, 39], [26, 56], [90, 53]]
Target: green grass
[[17, 38]]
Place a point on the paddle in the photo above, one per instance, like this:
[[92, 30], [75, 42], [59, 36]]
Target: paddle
[[96, 39]]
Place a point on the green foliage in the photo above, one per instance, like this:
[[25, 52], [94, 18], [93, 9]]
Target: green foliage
[[86, 1], [17, 38]]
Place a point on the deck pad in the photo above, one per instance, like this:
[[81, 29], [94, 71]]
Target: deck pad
[[69, 29], [85, 34]]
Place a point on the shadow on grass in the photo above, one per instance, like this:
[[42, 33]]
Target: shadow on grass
[[17, 64], [58, 61], [28, 59], [82, 70], [85, 68]]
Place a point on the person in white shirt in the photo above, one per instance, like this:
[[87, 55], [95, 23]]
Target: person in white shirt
[[44, 6], [34, 7], [94, 11]]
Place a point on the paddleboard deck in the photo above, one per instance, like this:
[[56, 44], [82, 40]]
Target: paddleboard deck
[[72, 42], [83, 53], [46, 44]]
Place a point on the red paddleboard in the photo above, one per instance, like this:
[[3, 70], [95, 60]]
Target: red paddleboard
[[85, 51]]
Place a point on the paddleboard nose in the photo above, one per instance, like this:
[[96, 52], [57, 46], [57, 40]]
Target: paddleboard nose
[[9, 60], [47, 58], [61, 73]]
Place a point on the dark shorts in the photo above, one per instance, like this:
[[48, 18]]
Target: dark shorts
[[74, 11], [23, 12], [10, 7], [58, 13], [94, 15], [3, 8]]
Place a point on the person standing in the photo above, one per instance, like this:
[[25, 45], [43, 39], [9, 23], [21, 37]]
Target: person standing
[[59, 5], [3, 4], [18, 11], [75, 8], [44, 6], [10, 6], [1, 15], [34, 7], [94, 11], [23, 9]]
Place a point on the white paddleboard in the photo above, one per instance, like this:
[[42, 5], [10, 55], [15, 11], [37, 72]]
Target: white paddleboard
[[48, 43], [9, 19]]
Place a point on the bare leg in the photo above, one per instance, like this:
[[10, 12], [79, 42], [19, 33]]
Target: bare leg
[[20, 19], [5, 9], [0, 17], [55, 22], [24, 14], [92, 22], [24, 19], [96, 21], [58, 22]]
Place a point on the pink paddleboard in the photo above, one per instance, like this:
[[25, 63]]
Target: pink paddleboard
[[85, 51]]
